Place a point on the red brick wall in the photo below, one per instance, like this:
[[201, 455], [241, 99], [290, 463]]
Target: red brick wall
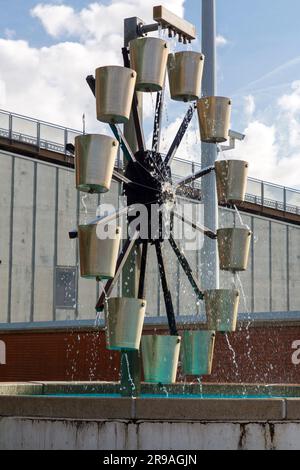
[[263, 354]]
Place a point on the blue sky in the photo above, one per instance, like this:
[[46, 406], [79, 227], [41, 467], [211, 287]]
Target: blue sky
[[258, 67], [262, 34]]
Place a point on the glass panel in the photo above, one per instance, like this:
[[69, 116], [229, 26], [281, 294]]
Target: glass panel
[[24, 130], [254, 187], [52, 138], [292, 198], [71, 137], [4, 124], [273, 193], [181, 168]]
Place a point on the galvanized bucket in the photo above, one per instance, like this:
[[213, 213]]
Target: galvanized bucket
[[185, 71], [221, 307], [114, 93], [231, 177], [197, 352], [160, 358], [148, 57], [95, 157], [214, 117], [124, 318], [234, 245], [98, 258]]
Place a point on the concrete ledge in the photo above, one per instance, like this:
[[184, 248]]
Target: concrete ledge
[[83, 388], [293, 409], [70, 408], [18, 388], [210, 409], [157, 409], [219, 389]]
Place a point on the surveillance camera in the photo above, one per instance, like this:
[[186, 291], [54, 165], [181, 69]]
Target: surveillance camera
[[236, 135], [73, 234]]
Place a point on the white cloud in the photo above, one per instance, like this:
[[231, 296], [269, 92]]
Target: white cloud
[[290, 103], [273, 148], [249, 104], [49, 82], [97, 20], [221, 40]]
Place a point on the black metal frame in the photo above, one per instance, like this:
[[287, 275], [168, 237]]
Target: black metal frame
[[180, 134], [157, 121], [167, 294], [161, 171]]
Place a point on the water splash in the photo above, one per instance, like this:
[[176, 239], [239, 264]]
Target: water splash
[[238, 284], [83, 202], [130, 379], [242, 223], [164, 389], [233, 355], [199, 380]]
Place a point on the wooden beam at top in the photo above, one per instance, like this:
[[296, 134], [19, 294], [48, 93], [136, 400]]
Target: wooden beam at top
[[169, 20]]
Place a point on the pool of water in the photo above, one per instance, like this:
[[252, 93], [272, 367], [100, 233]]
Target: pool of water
[[165, 395]]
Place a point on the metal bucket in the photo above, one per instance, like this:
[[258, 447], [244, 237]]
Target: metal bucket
[[160, 358], [214, 117], [185, 71], [98, 258], [231, 177], [221, 307], [197, 352], [234, 245], [95, 157], [114, 93], [148, 57], [124, 318]]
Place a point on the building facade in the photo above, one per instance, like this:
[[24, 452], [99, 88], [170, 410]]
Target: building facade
[[40, 285]]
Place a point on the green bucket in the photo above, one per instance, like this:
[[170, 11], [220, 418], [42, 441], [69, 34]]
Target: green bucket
[[160, 358], [197, 352]]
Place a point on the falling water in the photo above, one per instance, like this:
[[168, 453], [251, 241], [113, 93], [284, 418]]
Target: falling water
[[130, 380], [240, 218], [220, 151], [199, 380], [237, 280], [233, 355], [83, 202], [164, 389], [160, 30]]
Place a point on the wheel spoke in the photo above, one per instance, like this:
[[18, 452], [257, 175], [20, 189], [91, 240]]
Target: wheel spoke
[[180, 134], [187, 269], [157, 121], [166, 291], [201, 228], [141, 291], [194, 176], [109, 286]]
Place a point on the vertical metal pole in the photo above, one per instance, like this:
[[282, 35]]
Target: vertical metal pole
[[209, 253], [131, 361]]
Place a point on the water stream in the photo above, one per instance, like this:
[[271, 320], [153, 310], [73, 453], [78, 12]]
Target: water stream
[[83, 202], [233, 355], [130, 380]]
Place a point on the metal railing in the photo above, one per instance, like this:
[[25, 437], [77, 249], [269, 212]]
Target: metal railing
[[52, 137]]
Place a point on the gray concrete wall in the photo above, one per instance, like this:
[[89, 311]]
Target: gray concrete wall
[[39, 205], [29, 433]]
